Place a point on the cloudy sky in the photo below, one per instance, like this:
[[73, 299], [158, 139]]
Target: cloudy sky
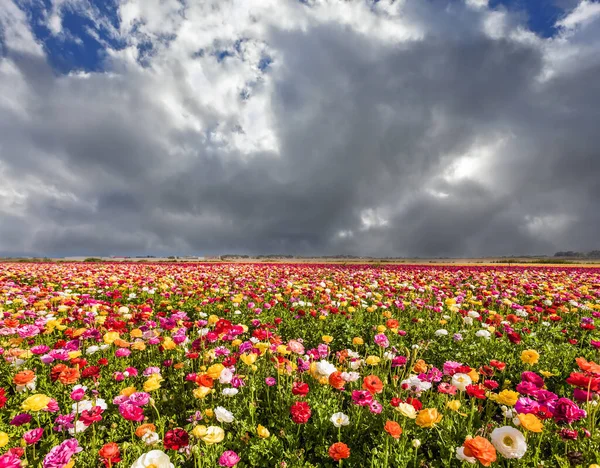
[[383, 128]]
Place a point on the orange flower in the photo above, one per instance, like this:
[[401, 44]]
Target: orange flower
[[56, 370], [121, 343], [338, 451], [144, 428], [588, 366], [373, 384], [68, 376], [393, 429], [24, 377], [205, 381], [336, 381], [480, 448], [420, 366]]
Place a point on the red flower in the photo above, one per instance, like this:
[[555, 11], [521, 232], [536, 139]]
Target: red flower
[[88, 417], [514, 337], [2, 397], [339, 451], [498, 365], [300, 412], [91, 372], [176, 439], [416, 403], [300, 388], [395, 402], [102, 362], [476, 391], [583, 381], [110, 454]]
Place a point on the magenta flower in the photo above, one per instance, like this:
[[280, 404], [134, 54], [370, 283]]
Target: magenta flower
[[229, 458], [567, 411], [131, 412], [526, 405], [77, 394], [60, 455], [10, 460], [33, 436], [270, 381], [381, 340], [139, 398], [361, 397]]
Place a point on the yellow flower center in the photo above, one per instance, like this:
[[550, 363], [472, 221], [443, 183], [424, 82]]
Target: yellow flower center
[[508, 441]]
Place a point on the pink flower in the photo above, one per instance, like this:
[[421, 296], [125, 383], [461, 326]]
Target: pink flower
[[139, 398], [60, 455], [532, 377], [41, 349], [270, 381], [10, 460], [77, 394], [361, 397], [382, 340], [526, 405], [450, 367], [131, 412], [32, 436], [296, 347], [122, 352], [375, 407], [229, 458]]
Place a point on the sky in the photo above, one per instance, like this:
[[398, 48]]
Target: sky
[[428, 128]]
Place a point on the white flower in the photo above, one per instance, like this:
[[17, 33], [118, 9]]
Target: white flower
[[150, 438], [155, 459], [460, 454], [509, 442], [84, 405], [356, 364], [350, 376], [483, 334], [415, 384], [339, 420], [468, 320], [461, 381], [324, 368], [225, 376], [473, 314], [123, 310], [416, 443], [223, 415], [521, 313], [92, 349], [230, 391], [79, 427], [441, 332]]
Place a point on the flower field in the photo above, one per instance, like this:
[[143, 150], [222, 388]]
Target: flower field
[[296, 365]]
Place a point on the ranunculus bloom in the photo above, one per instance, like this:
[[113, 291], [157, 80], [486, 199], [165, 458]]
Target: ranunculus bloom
[[60, 455], [110, 454], [509, 441], [428, 417], [300, 412], [339, 451], [176, 439], [33, 436], [131, 412], [372, 384], [229, 458], [393, 429], [566, 411], [480, 449], [154, 459]]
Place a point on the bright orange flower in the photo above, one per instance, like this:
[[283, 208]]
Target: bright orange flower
[[373, 384], [588, 366], [480, 448], [205, 381], [393, 429], [144, 428], [24, 377], [338, 451], [336, 381], [68, 376]]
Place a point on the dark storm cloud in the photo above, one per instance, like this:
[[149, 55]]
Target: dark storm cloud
[[369, 135]]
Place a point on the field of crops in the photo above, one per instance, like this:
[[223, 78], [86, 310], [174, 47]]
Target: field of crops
[[221, 365]]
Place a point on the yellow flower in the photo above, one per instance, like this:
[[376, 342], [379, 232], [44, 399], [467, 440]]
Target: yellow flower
[[381, 328], [214, 371], [128, 391], [36, 402], [71, 464], [372, 360], [136, 333], [547, 374], [428, 417], [282, 349], [327, 338], [594, 465], [443, 322], [407, 410], [262, 347], [153, 383], [505, 397], [110, 337], [138, 346], [351, 309], [213, 319], [357, 341], [453, 405], [262, 432], [74, 354], [201, 392], [248, 359], [235, 343], [169, 344], [530, 356], [474, 375], [531, 422], [209, 413], [213, 435], [4, 438], [199, 431]]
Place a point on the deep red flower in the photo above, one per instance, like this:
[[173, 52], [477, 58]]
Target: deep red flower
[[498, 365], [176, 438], [2, 397], [88, 417], [300, 389], [90, 372], [110, 454], [300, 412], [476, 391]]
